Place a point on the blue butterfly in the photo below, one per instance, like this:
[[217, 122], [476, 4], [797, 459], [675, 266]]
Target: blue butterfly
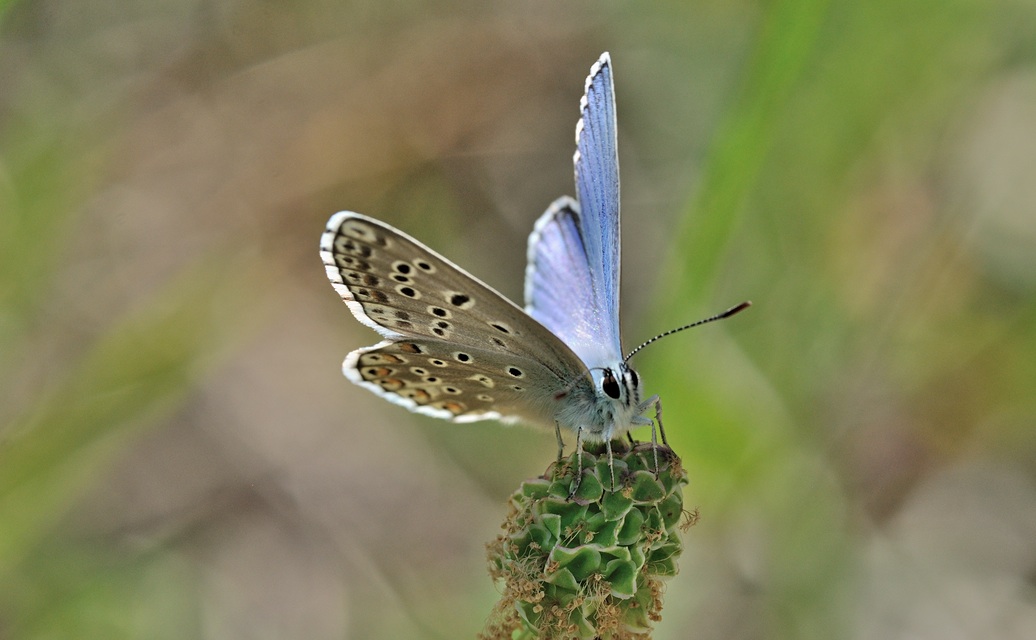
[[455, 348]]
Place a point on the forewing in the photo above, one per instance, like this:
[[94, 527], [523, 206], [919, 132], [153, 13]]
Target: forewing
[[597, 187]]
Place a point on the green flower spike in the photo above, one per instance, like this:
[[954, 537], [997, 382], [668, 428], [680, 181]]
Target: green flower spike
[[591, 566]]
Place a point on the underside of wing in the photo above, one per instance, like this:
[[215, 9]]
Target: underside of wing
[[457, 383], [400, 287], [454, 347]]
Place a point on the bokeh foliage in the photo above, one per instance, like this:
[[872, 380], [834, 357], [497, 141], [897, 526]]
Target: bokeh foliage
[[174, 463]]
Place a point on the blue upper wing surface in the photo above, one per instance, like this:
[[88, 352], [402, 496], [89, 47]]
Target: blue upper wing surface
[[572, 281], [559, 289]]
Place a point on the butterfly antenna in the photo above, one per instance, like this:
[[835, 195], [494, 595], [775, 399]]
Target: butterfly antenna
[[719, 316]]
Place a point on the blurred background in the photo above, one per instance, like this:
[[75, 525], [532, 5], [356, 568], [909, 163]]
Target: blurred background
[[180, 456]]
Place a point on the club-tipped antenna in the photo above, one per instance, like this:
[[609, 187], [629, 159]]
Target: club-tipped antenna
[[719, 316]]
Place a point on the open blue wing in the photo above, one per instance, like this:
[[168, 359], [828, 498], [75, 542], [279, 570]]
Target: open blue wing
[[572, 281], [559, 289]]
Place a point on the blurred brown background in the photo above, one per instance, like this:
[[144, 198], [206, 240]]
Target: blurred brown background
[[180, 456]]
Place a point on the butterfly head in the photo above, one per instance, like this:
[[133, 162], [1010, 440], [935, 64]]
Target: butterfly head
[[620, 384]]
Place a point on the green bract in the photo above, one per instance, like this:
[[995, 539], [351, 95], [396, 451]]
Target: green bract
[[591, 566]]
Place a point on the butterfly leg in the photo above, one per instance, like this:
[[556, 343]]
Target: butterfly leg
[[611, 466], [658, 418], [656, 402], [654, 448], [561, 443], [579, 462]]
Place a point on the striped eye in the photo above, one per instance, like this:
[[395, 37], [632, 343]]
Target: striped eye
[[610, 385]]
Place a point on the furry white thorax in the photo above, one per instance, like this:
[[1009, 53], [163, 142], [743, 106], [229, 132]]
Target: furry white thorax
[[608, 409]]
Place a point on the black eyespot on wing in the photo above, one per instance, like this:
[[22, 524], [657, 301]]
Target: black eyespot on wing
[[516, 372], [349, 262], [346, 245], [458, 300]]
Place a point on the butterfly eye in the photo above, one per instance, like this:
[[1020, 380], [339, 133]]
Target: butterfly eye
[[610, 385]]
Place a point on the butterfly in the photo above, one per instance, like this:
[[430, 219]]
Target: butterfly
[[454, 348]]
